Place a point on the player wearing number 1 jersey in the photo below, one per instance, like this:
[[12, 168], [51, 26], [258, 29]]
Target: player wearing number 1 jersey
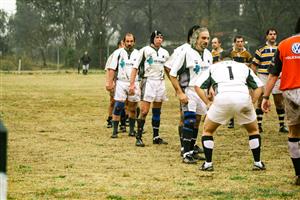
[[230, 81]]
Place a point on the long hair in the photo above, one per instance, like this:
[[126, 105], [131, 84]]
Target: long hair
[[196, 34]]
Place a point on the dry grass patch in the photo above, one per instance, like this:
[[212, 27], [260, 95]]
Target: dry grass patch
[[59, 148]]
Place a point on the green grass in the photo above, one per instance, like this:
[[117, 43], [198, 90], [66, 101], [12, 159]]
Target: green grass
[[60, 148]]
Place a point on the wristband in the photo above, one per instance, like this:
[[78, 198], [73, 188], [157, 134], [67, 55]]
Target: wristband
[[266, 97]]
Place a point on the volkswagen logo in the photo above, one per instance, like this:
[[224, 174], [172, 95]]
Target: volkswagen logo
[[296, 48]]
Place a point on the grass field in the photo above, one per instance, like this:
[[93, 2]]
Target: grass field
[[60, 148]]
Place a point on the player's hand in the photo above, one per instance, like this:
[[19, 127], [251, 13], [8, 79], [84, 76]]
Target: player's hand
[[208, 105], [211, 94], [266, 105], [131, 90], [109, 87], [183, 98]]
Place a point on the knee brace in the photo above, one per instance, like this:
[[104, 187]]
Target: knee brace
[[119, 106], [156, 114], [189, 119]]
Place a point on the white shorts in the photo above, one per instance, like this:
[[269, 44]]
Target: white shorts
[[195, 104], [264, 79], [122, 90], [227, 105], [85, 66], [153, 90]]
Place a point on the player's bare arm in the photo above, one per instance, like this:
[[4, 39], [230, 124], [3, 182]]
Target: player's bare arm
[[182, 97], [132, 81], [110, 80], [266, 104]]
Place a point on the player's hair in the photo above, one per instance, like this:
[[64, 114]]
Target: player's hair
[[153, 35], [129, 34], [219, 41], [297, 28], [271, 29], [119, 43], [196, 34], [191, 31], [238, 37]]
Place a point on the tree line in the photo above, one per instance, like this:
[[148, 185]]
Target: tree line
[[44, 30]]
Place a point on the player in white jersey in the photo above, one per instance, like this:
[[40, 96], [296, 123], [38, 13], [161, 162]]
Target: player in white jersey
[[122, 63], [231, 82], [182, 82], [111, 94], [193, 62], [151, 71]]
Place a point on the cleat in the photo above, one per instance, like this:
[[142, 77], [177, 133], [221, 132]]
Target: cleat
[[132, 134], [159, 141], [109, 123], [188, 159], [122, 128], [181, 152], [139, 142], [231, 123], [259, 166], [198, 149], [283, 129], [297, 180], [260, 129], [114, 136], [206, 167], [197, 157]]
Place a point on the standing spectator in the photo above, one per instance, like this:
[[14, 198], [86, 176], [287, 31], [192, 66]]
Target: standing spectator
[[151, 71], [216, 49], [194, 60], [111, 94], [85, 60], [261, 62], [122, 63], [179, 84], [230, 80], [287, 62], [241, 55]]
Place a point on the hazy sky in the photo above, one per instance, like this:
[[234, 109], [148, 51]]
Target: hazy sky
[[8, 5]]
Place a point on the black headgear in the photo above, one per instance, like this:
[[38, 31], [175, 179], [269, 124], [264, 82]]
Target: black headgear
[[154, 34]]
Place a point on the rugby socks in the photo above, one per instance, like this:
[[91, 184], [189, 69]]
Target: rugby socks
[[294, 149], [281, 115], [259, 114], [180, 135], [194, 138], [115, 127], [131, 125], [140, 123], [187, 134], [254, 144], [156, 121], [208, 146], [123, 118]]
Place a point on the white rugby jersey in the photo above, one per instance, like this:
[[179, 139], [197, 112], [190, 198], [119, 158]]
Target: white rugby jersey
[[123, 63], [108, 61], [192, 64], [181, 49], [229, 76], [152, 62]]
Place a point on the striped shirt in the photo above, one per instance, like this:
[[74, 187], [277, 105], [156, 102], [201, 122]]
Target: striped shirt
[[263, 58]]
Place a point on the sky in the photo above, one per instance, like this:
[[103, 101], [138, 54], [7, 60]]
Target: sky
[[8, 6]]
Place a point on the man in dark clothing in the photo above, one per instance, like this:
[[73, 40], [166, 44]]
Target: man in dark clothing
[[85, 60]]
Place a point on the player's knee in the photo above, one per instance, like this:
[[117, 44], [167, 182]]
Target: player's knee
[[156, 113], [189, 119], [119, 107]]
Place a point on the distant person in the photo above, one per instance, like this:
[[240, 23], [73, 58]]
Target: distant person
[[85, 60], [239, 54], [216, 49], [111, 93], [124, 60], [151, 72], [3, 161], [260, 64], [287, 63], [230, 81]]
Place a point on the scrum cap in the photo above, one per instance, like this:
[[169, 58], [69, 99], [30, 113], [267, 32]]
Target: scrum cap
[[154, 34]]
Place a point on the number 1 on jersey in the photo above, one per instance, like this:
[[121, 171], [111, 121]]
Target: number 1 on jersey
[[230, 72]]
